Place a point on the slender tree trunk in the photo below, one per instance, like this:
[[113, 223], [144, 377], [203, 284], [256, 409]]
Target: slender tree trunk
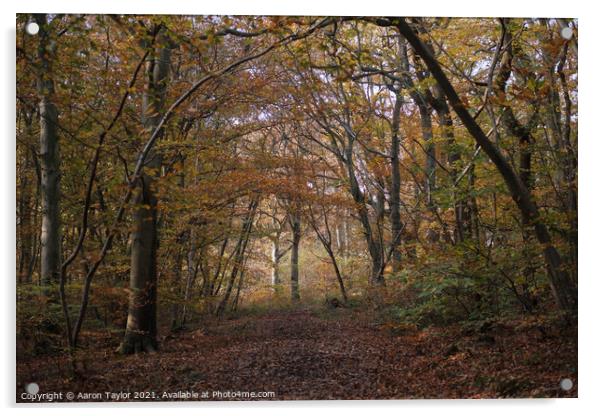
[[338, 274], [210, 289], [234, 306], [177, 277], [342, 235], [241, 280], [374, 246], [346, 234], [35, 249], [276, 255], [295, 221], [473, 207], [192, 267], [50, 240], [453, 156], [394, 200], [25, 228], [326, 241], [426, 125], [239, 253]]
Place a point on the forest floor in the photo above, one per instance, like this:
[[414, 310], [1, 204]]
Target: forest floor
[[304, 354]]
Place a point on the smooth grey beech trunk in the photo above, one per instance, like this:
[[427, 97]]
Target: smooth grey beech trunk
[[50, 238], [141, 328]]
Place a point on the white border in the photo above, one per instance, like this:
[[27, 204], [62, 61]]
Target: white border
[[507, 8]]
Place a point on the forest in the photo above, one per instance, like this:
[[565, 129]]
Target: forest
[[290, 207]]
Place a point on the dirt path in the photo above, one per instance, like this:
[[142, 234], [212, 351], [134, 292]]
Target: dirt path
[[305, 355]]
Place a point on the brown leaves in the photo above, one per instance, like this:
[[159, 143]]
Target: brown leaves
[[300, 355]]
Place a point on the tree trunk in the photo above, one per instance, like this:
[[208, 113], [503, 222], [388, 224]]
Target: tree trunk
[[394, 200], [295, 221], [453, 156], [374, 246], [141, 328], [192, 267], [239, 253], [276, 256], [25, 231], [50, 255], [177, 277], [335, 265], [426, 126]]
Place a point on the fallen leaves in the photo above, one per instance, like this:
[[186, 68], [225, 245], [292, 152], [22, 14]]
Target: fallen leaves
[[302, 356]]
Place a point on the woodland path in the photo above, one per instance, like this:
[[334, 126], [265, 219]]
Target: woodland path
[[303, 354]]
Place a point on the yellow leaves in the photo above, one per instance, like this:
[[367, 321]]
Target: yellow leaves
[[210, 36]]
